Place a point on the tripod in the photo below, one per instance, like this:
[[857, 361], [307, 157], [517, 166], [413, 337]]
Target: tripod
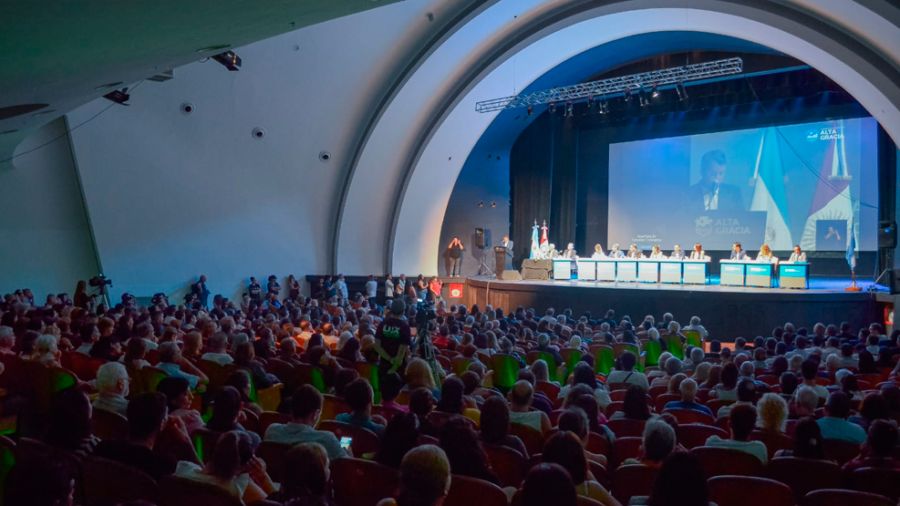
[[483, 267]]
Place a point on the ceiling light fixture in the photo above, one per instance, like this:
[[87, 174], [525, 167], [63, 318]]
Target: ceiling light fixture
[[118, 96], [229, 60]]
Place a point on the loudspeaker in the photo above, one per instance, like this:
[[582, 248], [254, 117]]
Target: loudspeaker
[[479, 238], [887, 234]]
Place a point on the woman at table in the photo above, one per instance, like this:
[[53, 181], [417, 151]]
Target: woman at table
[[765, 255], [677, 253], [798, 255], [697, 253], [656, 253], [598, 252], [615, 252], [634, 252]]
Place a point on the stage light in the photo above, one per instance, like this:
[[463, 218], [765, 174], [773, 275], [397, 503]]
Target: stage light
[[603, 108], [118, 96], [590, 103], [530, 110], [229, 60], [642, 99], [654, 93], [569, 110], [627, 96], [552, 108], [681, 91]]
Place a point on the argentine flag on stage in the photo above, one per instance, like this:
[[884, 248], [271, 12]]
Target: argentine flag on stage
[[535, 242], [832, 203], [851, 252], [769, 193]]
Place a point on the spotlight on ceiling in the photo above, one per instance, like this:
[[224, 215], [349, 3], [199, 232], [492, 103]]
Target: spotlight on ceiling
[[603, 108], [118, 96], [681, 91], [552, 108], [569, 110], [530, 110], [654, 93], [642, 98], [229, 59], [627, 95]]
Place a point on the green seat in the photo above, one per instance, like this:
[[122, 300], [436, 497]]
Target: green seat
[[369, 372], [692, 338], [604, 360], [674, 346], [652, 351], [506, 370], [571, 358], [7, 461]]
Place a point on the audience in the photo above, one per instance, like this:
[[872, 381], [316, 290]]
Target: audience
[[742, 419], [112, 388], [520, 398], [657, 443], [359, 397], [564, 448], [834, 424], [688, 390], [879, 449], [306, 406], [233, 468], [424, 478], [307, 476], [495, 426], [548, 484], [464, 451]]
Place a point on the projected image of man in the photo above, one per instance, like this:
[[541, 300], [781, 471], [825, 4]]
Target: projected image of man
[[711, 193]]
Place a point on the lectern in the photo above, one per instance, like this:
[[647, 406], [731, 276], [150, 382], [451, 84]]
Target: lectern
[[499, 260]]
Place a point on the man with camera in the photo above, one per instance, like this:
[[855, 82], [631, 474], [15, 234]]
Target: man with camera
[[393, 339]]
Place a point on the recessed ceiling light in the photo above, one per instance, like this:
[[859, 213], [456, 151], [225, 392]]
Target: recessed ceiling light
[[108, 85], [217, 47]]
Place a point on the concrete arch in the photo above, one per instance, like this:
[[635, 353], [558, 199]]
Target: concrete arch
[[404, 176]]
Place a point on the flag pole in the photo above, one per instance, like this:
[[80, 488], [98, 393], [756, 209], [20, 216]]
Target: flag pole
[[853, 287]]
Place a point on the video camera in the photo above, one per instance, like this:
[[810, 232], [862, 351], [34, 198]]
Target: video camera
[[100, 281], [424, 313]]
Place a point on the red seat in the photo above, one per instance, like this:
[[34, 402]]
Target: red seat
[[749, 491], [358, 482], [332, 406], [722, 461], [622, 427], [691, 416], [533, 439], [364, 440], [885, 482], [624, 448], [130, 484], [509, 464], [633, 480], [842, 497], [109, 426], [658, 390], [84, 366], [804, 475], [617, 395], [692, 435], [551, 390], [715, 404], [841, 451], [467, 491], [659, 403], [177, 491], [774, 441], [598, 444], [273, 454], [613, 407]]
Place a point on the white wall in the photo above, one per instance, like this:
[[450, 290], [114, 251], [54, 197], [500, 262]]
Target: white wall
[[45, 242]]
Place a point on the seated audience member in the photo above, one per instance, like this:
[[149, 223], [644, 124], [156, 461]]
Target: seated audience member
[[681, 482], [808, 442], [588, 403], [879, 448], [583, 374], [288, 351], [233, 468], [575, 420], [625, 372], [453, 399], [173, 364], [307, 477], [540, 401], [180, 401], [359, 396], [788, 383], [46, 351], [727, 389], [771, 413], [564, 448], [112, 387], [701, 373], [495, 426], [424, 478], [542, 372], [306, 406], [227, 414], [548, 484], [391, 384], [216, 349], [344, 377], [810, 371], [147, 415], [421, 403], [400, 436], [70, 423], [192, 346], [658, 442], [873, 407], [240, 380], [464, 451], [135, 357], [40, 482], [746, 395], [418, 374], [89, 335], [834, 424], [672, 367], [713, 377], [106, 349], [245, 358], [635, 406], [805, 402], [520, 399], [688, 390], [7, 340], [743, 419]]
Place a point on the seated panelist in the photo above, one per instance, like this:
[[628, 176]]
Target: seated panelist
[[598, 252], [697, 253], [798, 255], [634, 252], [765, 255], [677, 253], [656, 253], [570, 252], [737, 252], [615, 252]]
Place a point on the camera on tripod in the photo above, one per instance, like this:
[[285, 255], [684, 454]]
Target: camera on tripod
[[424, 314], [99, 281]]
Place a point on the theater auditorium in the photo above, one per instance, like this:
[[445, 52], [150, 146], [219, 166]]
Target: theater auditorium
[[449, 252]]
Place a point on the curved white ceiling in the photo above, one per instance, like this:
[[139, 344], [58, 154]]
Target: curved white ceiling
[[407, 169]]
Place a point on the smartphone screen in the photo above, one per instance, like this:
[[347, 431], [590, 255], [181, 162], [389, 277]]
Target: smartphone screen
[[346, 442]]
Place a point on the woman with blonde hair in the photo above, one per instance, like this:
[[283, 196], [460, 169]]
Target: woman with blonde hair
[[701, 372], [765, 255], [598, 252], [418, 374], [772, 412]]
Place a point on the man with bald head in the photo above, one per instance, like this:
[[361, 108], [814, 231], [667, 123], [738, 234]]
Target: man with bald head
[[520, 398]]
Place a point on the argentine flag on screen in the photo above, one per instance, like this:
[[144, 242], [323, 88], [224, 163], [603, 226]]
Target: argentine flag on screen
[[769, 193]]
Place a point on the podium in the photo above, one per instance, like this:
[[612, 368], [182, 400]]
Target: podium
[[793, 275], [499, 260], [732, 273], [695, 272], [670, 271], [533, 268], [759, 275]]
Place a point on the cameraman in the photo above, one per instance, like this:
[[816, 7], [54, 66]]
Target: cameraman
[[393, 340]]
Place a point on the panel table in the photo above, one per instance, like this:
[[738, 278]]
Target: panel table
[[562, 268], [626, 270], [587, 269], [606, 270], [793, 275], [695, 272], [732, 273], [670, 271], [759, 275], [648, 271]]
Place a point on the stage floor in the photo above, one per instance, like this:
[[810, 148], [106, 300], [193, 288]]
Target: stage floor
[[726, 311]]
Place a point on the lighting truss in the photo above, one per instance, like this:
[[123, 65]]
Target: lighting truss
[[614, 85]]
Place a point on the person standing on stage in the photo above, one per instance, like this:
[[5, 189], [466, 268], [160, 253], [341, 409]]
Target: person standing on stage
[[615, 252], [765, 255], [454, 251], [798, 255], [598, 252], [508, 244], [388, 290], [656, 253], [737, 252], [570, 252], [634, 252], [697, 253], [677, 253]]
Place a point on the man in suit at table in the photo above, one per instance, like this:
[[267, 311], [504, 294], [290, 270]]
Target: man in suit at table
[[798, 255], [737, 252], [508, 244]]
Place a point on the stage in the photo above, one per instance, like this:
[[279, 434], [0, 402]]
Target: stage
[[727, 311]]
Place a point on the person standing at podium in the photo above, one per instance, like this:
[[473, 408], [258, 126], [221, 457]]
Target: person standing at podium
[[798, 255], [634, 252], [677, 253], [598, 252], [656, 253], [765, 255], [737, 252], [508, 244], [697, 253]]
